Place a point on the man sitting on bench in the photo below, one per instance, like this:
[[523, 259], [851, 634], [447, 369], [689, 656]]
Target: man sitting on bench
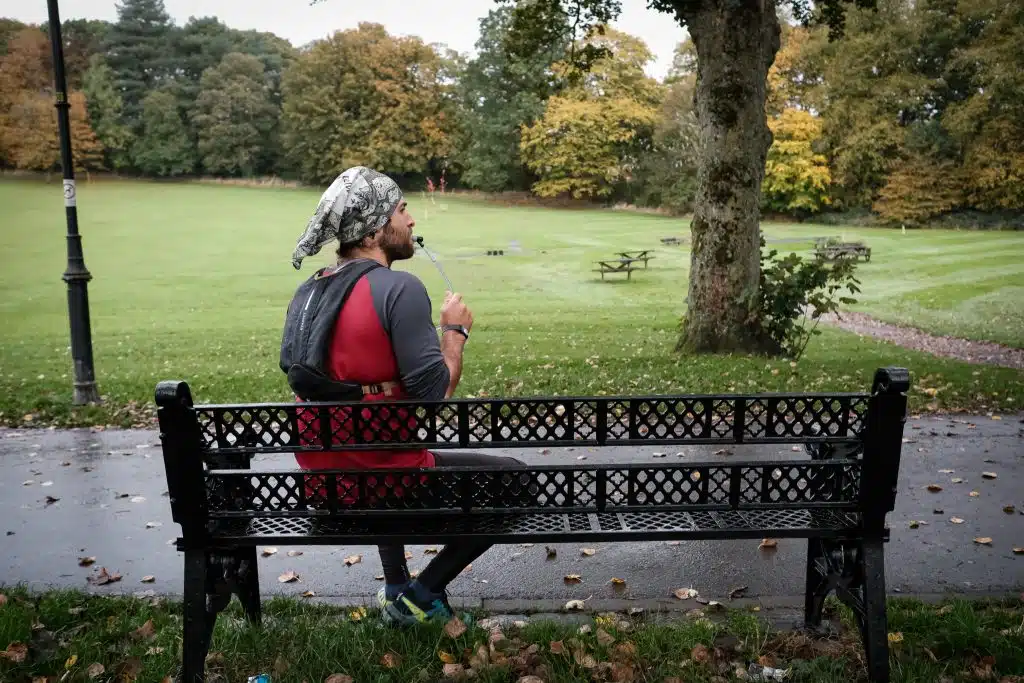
[[384, 339]]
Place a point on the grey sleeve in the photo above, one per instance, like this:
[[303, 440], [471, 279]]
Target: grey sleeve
[[404, 309]]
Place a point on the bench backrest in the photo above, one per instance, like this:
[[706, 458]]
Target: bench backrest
[[207, 452]]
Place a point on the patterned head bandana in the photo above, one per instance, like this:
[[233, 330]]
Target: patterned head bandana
[[358, 203]]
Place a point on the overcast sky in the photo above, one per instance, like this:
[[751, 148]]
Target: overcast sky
[[457, 25]]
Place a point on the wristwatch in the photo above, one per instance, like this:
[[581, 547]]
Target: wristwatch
[[461, 329]]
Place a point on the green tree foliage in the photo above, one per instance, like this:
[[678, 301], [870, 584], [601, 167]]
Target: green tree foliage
[[138, 51], [591, 137], [497, 96], [669, 169], [164, 147], [796, 177], [362, 96], [105, 113], [235, 117]]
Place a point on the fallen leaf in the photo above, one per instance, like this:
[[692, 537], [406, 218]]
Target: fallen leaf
[[138, 499], [144, 632], [931, 655], [154, 651], [129, 669], [430, 551], [934, 488], [288, 577], [453, 670], [896, 637], [604, 638], [957, 480], [445, 657], [672, 542], [973, 494], [989, 475], [723, 451], [618, 582], [767, 543], [557, 647], [574, 605], [390, 660], [357, 614], [550, 551], [15, 652], [1018, 551], [408, 554], [587, 552], [353, 559], [685, 593], [379, 577], [956, 520], [267, 552], [525, 545], [1009, 509], [700, 654], [572, 578], [71, 661], [95, 670], [914, 525], [50, 500], [455, 627], [983, 540], [339, 678], [154, 525], [85, 561], [294, 553], [309, 594], [147, 579], [737, 592], [947, 471]]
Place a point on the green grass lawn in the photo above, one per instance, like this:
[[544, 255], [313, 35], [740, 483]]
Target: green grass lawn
[[191, 281], [70, 636]]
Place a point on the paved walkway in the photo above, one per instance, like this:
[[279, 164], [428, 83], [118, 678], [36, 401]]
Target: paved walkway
[[76, 493]]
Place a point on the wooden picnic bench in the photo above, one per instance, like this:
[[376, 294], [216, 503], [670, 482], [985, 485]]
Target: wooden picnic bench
[[616, 265], [830, 249], [837, 498], [642, 255], [671, 241]]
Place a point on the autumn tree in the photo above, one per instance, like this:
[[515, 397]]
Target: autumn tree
[[919, 188], [236, 120], [735, 42], [28, 119], [362, 96], [796, 176], [591, 136]]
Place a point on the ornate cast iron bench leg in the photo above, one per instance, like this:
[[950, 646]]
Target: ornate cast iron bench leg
[[855, 570], [211, 578]]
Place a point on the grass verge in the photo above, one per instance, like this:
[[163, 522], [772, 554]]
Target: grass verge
[[70, 636]]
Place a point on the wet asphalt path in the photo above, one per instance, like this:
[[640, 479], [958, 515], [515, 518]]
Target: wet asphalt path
[[112, 507]]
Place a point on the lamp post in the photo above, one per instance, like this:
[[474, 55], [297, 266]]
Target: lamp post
[[76, 276]]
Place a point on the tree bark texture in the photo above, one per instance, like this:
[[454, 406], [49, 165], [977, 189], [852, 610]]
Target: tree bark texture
[[736, 42]]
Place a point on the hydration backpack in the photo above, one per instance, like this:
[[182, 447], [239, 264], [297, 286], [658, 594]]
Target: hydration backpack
[[308, 328]]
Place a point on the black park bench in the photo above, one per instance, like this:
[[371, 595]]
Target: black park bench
[[837, 498]]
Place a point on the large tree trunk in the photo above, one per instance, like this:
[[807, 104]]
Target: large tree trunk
[[736, 43]]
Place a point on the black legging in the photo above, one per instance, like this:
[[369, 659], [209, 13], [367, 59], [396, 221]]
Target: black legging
[[452, 559]]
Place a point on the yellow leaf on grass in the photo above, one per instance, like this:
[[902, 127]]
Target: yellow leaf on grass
[[71, 661], [445, 657], [390, 660], [896, 637]]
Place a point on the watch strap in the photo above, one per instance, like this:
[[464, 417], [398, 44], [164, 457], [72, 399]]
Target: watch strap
[[458, 328]]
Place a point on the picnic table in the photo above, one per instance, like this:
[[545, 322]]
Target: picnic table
[[642, 255], [618, 265], [830, 249], [671, 241]]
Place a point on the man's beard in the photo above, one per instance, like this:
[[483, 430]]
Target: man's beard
[[394, 247]]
